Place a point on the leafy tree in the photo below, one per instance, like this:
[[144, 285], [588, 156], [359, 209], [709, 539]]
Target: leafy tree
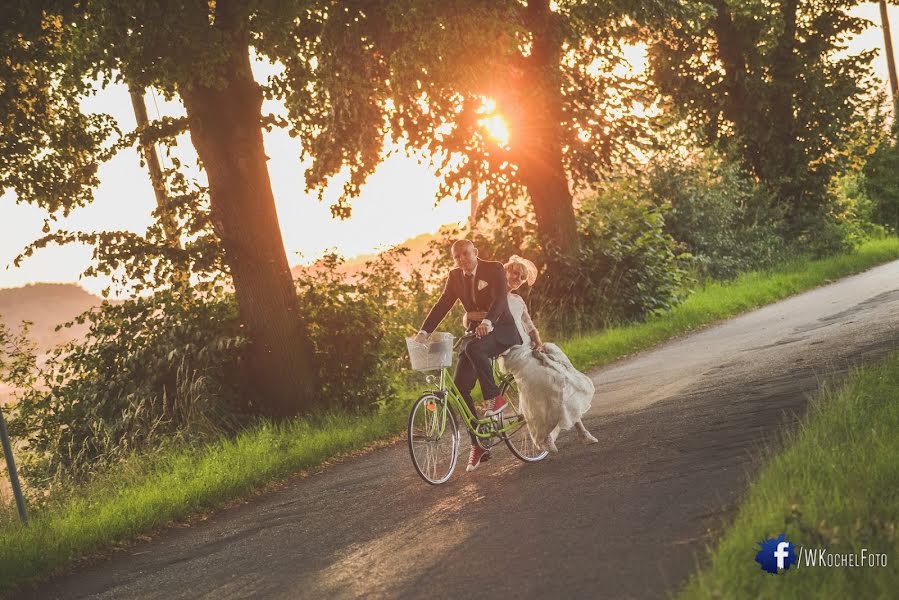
[[436, 76], [773, 82], [54, 51]]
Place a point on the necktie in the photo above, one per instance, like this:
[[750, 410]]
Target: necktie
[[469, 282]]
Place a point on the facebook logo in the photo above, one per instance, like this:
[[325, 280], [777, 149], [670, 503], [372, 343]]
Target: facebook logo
[[775, 555]]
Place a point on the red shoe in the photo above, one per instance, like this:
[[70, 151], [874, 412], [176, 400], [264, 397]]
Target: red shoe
[[495, 406], [474, 458]]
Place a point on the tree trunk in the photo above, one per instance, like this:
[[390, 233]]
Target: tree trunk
[[786, 176], [225, 129], [167, 220], [891, 58], [538, 145], [739, 107]]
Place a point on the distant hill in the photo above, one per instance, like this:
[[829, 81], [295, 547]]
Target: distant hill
[[417, 247], [46, 305]]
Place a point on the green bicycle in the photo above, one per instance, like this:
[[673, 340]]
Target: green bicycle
[[433, 432]]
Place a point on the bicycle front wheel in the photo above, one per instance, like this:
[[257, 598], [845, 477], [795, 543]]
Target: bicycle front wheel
[[433, 439], [518, 439]]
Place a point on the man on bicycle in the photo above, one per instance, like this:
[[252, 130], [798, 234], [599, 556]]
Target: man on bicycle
[[481, 286]]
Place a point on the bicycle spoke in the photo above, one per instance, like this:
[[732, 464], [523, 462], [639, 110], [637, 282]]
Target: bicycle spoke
[[433, 439], [519, 438]]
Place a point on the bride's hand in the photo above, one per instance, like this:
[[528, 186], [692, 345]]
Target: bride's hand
[[476, 315], [538, 346]]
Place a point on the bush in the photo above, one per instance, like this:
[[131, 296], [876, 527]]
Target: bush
[[627, 268], [150, 369], [168, 368], [881, 182], [357, 325], [829, 232], [724, 219]]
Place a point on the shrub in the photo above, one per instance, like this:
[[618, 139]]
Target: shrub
[[628, 266], [150, 369], [724, 219], [881, 182], [350, 332]]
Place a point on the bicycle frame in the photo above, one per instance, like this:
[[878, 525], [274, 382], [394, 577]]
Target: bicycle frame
[[448, 392]]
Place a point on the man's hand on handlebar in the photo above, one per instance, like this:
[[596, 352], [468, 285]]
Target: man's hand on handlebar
[[481, 330]]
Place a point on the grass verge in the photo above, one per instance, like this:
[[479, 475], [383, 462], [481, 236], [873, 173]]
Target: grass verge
[[150, 493], [718, 301], [834, 487]]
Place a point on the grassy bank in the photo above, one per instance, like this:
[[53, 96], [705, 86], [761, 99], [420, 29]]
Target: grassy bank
[[718, 301], [834, 487], [147, 494]]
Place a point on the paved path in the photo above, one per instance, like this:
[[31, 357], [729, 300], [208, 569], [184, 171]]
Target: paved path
[[680, 428]]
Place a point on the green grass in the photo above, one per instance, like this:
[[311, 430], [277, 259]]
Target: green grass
[[834, 486], [718, 301], [148, 493]]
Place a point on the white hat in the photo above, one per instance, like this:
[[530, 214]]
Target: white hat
[[529, 267]]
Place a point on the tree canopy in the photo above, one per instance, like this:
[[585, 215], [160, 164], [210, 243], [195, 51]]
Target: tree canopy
[[438, 78], [772, 82]]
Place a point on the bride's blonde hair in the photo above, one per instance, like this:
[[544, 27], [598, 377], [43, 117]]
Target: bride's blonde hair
[[526, 268]]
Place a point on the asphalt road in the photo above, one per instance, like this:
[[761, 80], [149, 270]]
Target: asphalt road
[[680, 429]]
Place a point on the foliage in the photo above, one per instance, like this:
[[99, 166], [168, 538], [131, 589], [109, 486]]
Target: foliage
[[150, 368], [49, 149], [357, 326], [169, 368], [139, 263], [429, 76], [628, 266], [775, 85], [726, 221], [881, 182]]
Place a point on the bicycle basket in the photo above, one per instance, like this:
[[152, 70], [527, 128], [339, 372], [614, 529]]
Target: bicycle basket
[[432, 355]]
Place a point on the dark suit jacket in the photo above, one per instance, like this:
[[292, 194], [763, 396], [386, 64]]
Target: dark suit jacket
[[491, 295]]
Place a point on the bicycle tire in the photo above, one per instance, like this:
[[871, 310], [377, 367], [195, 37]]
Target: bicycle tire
[[426, 455], [518, 440]]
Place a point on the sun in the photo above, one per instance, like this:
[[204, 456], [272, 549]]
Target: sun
[[492, 123], [497, 128]]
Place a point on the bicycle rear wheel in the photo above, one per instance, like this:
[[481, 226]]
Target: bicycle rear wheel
[[433, 439], [519, 438]]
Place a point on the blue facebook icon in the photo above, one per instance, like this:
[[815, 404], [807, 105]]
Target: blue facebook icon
[[776, 555]]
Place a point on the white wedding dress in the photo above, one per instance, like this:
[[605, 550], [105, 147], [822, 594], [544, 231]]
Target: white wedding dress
[[554, 395]]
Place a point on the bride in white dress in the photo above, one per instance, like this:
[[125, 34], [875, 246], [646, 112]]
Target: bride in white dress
[[554, 395]]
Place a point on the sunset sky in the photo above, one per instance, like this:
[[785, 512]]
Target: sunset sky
[[396, 204]]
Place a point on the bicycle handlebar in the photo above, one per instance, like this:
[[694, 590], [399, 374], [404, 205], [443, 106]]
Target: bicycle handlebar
[[467, 336]]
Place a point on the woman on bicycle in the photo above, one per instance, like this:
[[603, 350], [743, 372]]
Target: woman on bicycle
[[554, 395]]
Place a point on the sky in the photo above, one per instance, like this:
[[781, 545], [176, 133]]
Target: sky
[[397, 203]]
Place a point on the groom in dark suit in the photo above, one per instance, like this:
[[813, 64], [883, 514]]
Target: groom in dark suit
[[481, 286]]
